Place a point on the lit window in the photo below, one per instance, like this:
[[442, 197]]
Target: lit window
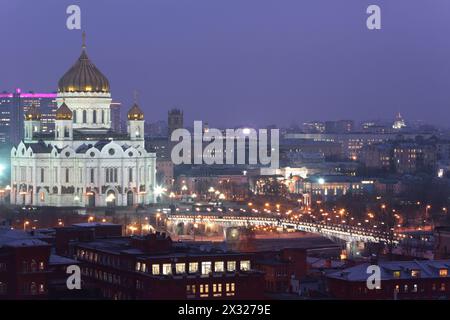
[[180, 268], [397, 274], [230, 289], [415, 273], [443, 272], [143, 267], [231, 266], [155, 269], [217, 289], [193, 267], [206, 267], [204, 290], [442, 286], [414, 289], [219, 266], [138, 266], [167, 268], [245, 265]]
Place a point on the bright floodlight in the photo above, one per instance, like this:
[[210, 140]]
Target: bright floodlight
[[159, 190], [321, 180]]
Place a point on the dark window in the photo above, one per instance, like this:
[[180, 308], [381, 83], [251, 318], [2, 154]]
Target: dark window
[[92, 175], [84, 116], [67, 175], [94, 116]]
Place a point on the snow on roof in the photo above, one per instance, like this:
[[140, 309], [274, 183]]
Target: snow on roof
[[55, 259], [12, 237], [404, 270], [93, 224], [26, 243], [322, 263]]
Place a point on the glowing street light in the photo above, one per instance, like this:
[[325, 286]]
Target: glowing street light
[[159, 190]]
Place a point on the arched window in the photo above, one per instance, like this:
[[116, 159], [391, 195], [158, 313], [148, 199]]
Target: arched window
[[33, 266], [33, 288], [94, 116], [84, 116]]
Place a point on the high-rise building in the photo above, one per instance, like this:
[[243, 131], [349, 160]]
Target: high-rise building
[[175, 120], [314, 127], [14, 106], [399, 122], [116, 119], [340, 126]]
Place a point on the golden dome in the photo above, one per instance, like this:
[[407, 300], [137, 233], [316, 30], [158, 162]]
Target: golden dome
[[83, 76], [135, 113], [64, 112]]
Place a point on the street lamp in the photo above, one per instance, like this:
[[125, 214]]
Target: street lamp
[[25, 224], [158, 215]]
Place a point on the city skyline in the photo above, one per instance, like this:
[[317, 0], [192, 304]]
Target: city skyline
[[177, 57], [233, 153]]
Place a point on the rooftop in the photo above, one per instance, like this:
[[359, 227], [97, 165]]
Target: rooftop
[[425, 268]]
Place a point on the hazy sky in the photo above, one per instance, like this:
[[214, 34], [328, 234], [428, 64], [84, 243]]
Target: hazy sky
[[242, 61]]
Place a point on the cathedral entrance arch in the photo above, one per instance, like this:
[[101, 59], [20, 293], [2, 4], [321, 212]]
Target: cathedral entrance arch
[[91, 199], [111, 199], [130, 198], [42, 198]]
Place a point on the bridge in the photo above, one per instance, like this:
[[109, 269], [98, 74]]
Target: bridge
[[340, 231]]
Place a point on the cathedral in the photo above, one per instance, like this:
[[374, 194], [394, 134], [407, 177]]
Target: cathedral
[[83, 163]]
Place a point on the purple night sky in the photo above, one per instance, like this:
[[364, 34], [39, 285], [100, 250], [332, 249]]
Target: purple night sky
[[232, 62]]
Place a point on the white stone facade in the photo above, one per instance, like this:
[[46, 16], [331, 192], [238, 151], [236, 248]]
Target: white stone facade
[[83, 163]]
